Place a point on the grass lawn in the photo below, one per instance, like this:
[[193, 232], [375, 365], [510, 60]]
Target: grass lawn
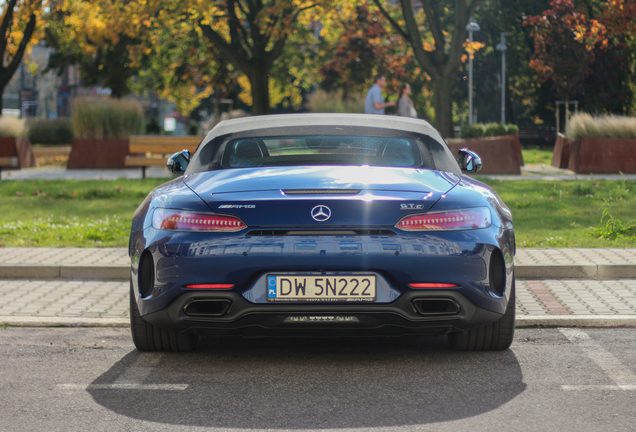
[[536, 157], [58, 213], [70, 212]]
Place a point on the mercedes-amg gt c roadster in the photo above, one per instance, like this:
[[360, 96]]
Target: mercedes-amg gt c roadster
[[311, 225]]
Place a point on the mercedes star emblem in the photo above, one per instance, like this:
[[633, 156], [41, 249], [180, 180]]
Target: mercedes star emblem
[[320, 213]]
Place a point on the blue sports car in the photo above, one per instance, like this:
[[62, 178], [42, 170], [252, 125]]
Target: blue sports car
[[322, 225]]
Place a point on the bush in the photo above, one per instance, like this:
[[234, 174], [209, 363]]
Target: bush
[[609, 126], [12, 127], [323, 102], [107, 118], [479, 130], [54, 131]]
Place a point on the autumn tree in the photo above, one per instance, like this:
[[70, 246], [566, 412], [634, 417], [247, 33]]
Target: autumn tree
[[18, 31], [437, 35], [564, 44], [186, 48], [363, 48], [252, 35]]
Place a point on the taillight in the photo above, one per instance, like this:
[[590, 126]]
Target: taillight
[[178, 220], [473, 218]]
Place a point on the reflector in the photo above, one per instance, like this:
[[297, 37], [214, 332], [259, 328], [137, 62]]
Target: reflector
[[433, 285], [211, 286]]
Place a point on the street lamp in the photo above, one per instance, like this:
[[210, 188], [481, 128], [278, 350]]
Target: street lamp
[[471, 27], [501, 46]]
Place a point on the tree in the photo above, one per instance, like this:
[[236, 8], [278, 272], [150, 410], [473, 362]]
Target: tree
[[564, 44], [363, 48], [183, 50], [438, 44], [18, 32], [252, 35]]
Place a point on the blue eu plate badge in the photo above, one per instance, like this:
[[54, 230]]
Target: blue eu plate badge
[[271, 286]]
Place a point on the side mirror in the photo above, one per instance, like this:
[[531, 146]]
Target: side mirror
[[468, 160], [178, 162]]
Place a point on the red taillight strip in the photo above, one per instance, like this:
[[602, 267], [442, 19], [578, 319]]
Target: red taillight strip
[[211, 286], [473, 218], [179, 220], [432, 285]]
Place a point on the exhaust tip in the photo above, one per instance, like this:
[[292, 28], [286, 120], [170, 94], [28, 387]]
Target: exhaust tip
[[207, 308], [436, 307]]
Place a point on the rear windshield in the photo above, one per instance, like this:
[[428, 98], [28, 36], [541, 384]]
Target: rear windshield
[[322, 150]]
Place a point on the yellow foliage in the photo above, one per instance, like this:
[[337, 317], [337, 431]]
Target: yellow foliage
[[22, 13]]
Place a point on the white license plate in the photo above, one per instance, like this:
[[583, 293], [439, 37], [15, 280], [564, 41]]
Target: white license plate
[[321, 288]]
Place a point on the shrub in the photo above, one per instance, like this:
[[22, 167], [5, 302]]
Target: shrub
[[321, 101], [609, 126], [54, 131], [107, 118], [12, 127], [479, 130]]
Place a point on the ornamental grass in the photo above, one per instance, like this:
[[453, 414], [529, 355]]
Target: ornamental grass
[[107, 118], [607, 126], [12, 127]]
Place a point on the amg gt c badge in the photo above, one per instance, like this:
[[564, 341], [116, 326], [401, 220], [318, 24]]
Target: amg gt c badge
[[321, 213], [411, 206]]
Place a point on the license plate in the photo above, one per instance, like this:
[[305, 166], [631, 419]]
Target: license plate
[[321, 288]]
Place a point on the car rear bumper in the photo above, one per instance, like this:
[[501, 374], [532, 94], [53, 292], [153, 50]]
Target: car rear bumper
[[228, 313]]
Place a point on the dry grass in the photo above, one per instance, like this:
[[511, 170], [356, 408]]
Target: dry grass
[[323, 102], [12, 127], [106, 118], [609, 126]]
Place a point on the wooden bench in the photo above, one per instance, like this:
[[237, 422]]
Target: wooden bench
[[145, 151], [9, 162]]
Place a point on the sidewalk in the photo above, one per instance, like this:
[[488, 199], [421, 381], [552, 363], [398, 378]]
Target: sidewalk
[[89, 287]]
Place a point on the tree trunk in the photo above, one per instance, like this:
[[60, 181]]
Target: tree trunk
[[259, 79], [443, 103]]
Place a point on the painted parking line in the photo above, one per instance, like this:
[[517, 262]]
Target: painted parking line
[[623, 378], [132, 376], [124, 386]]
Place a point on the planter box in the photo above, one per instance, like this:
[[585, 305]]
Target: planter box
[[499, 155], [19, 149], [592, 155], [562, 151], [96, 153]]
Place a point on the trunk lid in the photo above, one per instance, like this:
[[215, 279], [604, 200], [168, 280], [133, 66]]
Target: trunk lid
[[293, 196]]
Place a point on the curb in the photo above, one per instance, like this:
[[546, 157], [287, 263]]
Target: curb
[[523, 321], [572, 271], [530, 321], [108, 273], [31, 321], [122, 273]]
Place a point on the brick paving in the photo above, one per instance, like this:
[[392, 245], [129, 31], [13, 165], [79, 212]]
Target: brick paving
[[78, 296]]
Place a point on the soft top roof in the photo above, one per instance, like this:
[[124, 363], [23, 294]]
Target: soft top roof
[[275, 121]]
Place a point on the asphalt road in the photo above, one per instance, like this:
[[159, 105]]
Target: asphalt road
[[79, 379]]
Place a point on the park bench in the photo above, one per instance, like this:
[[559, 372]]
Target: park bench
[[540, 137], [145, 151]]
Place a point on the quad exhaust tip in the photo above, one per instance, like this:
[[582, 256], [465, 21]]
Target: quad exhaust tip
[[435, 306], [207, 308]]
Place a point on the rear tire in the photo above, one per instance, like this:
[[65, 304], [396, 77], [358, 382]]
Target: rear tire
[[148, 337], [492, 337]]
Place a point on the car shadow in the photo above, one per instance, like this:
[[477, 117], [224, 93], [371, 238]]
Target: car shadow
[[312, 383]]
